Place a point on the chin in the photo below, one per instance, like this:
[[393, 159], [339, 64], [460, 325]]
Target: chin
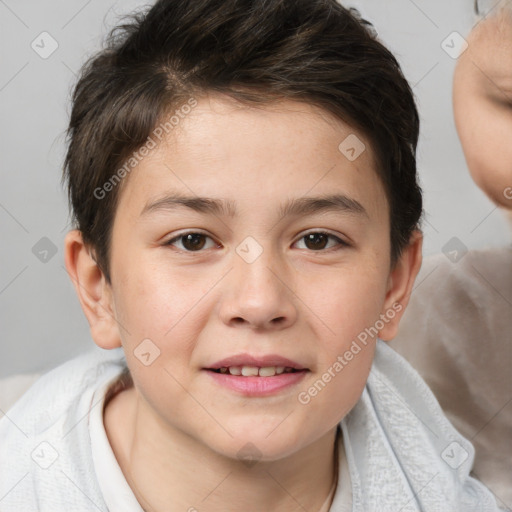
[[495, 184], [252, 447], [498, 197]]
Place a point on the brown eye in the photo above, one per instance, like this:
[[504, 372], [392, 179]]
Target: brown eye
[[191, 242], [318, 241]]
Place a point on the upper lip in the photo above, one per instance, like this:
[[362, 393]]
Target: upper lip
[[262, 361]]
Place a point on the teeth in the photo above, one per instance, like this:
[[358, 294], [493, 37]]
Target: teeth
[[269, 371], [253, 371], [249, 371]]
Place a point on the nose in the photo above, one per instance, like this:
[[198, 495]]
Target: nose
[[258, 295]]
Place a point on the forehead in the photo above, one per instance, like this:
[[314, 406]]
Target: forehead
[[259, 153], [216, 121], [486, 66]]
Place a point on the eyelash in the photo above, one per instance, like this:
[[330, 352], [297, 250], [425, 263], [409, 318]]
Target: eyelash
[[341, 243]]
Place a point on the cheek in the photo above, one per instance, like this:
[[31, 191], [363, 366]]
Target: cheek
[[349, 305], [338, 383], [485, 129], [161, 324], [351, 299], [489, 158], [154, 302]]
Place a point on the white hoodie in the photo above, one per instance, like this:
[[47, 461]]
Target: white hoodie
[[402, 453]]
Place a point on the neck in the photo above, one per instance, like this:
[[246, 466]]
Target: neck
[[169, 470]]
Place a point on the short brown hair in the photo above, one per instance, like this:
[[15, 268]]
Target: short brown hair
[[255, 51]]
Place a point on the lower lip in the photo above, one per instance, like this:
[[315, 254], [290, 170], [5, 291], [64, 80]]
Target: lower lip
[[257, 386]]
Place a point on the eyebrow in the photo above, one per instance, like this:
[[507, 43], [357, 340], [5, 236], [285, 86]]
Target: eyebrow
[[339, 203]]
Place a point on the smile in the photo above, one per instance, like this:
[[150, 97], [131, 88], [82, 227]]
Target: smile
[[254, 381], [255, 371]]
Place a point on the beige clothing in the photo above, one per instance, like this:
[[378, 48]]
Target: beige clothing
[[457, 332]]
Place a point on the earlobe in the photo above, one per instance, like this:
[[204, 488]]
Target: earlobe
[[401, 281], [93, 290]]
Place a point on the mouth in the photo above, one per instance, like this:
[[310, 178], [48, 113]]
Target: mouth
[[255, 371], [256, 376], [247, 365]]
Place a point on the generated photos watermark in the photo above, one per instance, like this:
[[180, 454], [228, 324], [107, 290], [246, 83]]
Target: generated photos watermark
[[305, 397], [137, 156]]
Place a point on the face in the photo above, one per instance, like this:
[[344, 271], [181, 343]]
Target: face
[[482, 99], [283, 263]]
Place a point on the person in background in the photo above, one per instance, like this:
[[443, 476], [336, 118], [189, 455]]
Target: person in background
[[461, 308]]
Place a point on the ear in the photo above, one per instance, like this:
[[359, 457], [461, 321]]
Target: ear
[[93, 290], [401, 281]]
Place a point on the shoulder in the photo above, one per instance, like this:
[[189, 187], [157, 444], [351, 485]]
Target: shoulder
[[45, 461], [456, 306], [55, 393], [464, 273], [400, 445], [13, 387]]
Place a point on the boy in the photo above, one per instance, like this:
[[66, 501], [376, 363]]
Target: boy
[[242, 176]]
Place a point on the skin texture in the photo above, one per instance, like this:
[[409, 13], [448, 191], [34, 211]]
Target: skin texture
[[482, 102], [177, 434]]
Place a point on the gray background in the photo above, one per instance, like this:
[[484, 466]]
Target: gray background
[[41, 319]]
